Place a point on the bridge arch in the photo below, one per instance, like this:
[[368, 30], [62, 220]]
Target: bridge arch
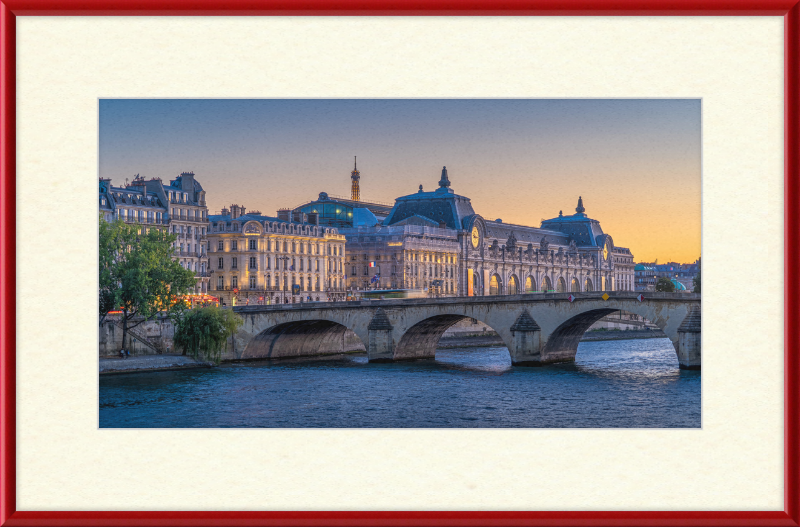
[[562, 342], [421, 339], [302, 338]]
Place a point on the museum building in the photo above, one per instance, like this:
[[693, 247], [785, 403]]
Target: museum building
[[566, 254]]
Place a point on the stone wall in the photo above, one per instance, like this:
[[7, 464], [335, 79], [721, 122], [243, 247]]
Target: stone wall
[[148, 338]]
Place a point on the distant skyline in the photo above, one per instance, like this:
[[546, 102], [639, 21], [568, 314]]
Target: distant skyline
[[636, 163]]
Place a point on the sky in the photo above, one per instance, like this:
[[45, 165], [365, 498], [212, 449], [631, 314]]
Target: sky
[[636, 163]]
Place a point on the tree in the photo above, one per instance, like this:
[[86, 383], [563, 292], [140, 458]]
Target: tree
[[138, 275], [696, 279], [203, 332], [665, 285]]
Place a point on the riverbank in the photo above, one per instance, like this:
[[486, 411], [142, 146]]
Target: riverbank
[[149, 363]]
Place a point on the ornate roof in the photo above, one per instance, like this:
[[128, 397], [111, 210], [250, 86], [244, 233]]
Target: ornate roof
[[440, 206]]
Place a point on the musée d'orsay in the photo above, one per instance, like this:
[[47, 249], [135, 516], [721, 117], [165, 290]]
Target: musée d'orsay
[[436, 240]]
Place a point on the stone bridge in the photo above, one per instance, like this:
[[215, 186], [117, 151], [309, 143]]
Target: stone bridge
[[537, 328]]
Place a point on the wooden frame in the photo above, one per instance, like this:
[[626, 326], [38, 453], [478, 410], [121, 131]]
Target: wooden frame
[[789, 9]]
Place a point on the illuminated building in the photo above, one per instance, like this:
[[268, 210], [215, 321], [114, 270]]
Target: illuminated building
[[261, 259], [179, 207]]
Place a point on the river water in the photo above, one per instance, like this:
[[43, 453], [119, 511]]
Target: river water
[[622, 383]]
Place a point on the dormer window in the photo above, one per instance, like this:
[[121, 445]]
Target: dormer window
[[103, 201]]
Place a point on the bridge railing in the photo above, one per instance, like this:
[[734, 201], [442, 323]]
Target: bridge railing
[[495, 299]]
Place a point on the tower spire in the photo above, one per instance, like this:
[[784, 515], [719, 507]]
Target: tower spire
[[355, 176], [579, 209], [444, 182]]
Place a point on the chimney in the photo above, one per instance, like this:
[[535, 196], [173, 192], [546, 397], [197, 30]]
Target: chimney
[[297, 216], [187, 184], [225, 211], [236, 211], [283, 214]]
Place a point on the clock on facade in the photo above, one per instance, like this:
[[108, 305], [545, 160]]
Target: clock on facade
[[476, 237]]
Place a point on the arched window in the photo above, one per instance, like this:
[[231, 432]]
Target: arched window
[[494, 286], [575, 286], [546, 285], [529, 285], [561, 286], [513, 285], [588, 286]]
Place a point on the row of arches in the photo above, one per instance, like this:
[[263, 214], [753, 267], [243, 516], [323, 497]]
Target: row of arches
[[419, 341], [496, 286]]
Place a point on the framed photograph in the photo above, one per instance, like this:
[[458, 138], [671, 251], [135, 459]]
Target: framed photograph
[[383, 263]]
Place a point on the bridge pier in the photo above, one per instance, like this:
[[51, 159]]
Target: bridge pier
[[381, 346], [526, 345], [689, 349]]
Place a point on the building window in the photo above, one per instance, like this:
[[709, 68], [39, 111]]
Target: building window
[[220, 264], [235, 281], [234, 245], [234, 262], [252, 245], [252, 262], [220, 282], [220, 245], [252, 282]]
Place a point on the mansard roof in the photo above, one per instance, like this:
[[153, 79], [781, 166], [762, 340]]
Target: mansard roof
[[175, 184], [585, 231], [442, 206], [244, 218], [377, 209], [523, 234]]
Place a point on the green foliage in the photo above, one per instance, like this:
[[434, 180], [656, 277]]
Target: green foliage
[[696, 279], [665, 285], [138, 274], [203, 332]]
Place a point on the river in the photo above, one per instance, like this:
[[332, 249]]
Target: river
[[622, 383]]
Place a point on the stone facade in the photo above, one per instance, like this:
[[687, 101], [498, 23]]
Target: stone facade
[[404, 256], [258, 259], [536, 329], [179, 207], [565, 254]]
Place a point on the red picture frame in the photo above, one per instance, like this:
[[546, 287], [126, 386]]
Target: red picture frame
[[789, 9]]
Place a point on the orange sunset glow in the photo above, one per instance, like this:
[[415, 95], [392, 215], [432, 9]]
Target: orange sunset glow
[[636, 163]]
